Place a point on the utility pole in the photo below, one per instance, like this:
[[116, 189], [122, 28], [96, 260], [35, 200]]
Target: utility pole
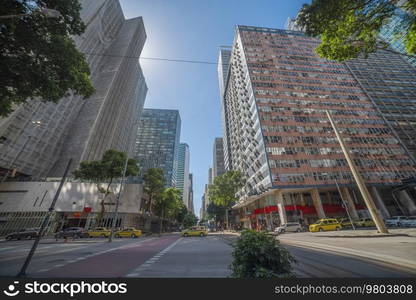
[[45, 222], [381, 227]]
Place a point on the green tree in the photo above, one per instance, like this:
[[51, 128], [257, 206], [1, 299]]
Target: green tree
[[166, 204], [259, 255], [349, 29], [154, 183], [108, 168], [38, 58], [223, 191], [189, 220], [181, 213], [216, 212]]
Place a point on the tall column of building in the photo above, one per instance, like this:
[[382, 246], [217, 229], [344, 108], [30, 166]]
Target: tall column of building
[[218, 167]]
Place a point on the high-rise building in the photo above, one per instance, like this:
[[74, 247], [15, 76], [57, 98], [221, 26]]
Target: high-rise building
[[218, 158], [157, 142], [223, 67], [277, 94], [191, 194], [389, 81], [42, 136], [182, 179], [392, 33]]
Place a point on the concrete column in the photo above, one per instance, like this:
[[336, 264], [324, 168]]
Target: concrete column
[[302, 200], [317, 203], [351, 205], [328, 197], [407, 202], [379, 203], [281, 207]]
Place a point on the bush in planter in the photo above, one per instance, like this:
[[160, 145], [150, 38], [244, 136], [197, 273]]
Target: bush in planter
[[259, 255]]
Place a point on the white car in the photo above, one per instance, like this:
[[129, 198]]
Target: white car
[[289, 227], [395, 221], [409, 222]]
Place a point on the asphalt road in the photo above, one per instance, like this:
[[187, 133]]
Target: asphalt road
[[322, 264], [167, 256]]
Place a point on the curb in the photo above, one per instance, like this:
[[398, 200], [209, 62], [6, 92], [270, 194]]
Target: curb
[[367, 236], [386, 259]]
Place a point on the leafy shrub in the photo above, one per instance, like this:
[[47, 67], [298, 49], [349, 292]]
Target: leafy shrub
[[259, 255]]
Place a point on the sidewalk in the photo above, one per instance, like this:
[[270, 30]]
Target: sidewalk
[[398, 248]]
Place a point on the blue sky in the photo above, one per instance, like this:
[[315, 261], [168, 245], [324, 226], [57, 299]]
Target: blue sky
[[194, 30]]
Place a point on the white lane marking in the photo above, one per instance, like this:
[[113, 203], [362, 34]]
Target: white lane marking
[[143, 267], [94, 254]]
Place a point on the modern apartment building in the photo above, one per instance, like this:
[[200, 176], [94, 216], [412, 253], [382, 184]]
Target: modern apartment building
[[157, 143], [276, 97], [182, 180], [218, 167], [41, 137]]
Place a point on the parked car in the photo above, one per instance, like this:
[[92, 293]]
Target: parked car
[[128, 232], [366, 222], [409, 222], [98, 232], [195, 231], [395, 221], [25, 233], [289, 227], [325, 225], [72, 232], [346, 223]]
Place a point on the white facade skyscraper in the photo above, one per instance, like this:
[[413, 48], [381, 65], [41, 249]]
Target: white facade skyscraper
[[182, 181], [47, 135]]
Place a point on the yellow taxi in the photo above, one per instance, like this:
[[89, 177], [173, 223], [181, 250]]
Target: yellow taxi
[[128, 232], [325, 225], [366, 222], [99, 232], [195, 231]]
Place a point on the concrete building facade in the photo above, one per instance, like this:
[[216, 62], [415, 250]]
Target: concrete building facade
[[45, 136], [157, 142], [277, 94], [25, 205]]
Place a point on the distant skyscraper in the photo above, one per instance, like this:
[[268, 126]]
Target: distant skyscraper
[[223, 67], [277, 94], [157, 142], [191, 194], [182, 180], [218, 158], [392, 33], [84, 129]]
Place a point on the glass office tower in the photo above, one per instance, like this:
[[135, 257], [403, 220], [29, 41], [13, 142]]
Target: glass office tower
[[157, 142]]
